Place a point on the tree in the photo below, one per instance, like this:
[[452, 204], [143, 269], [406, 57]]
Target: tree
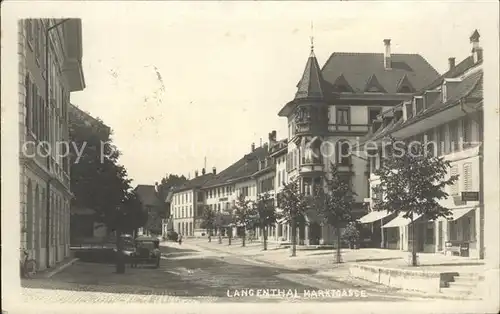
[[412, 182], [294, 205], [266, 214], [335, 202], [97, 180], [351, 234], [243, 214], [208, 221]]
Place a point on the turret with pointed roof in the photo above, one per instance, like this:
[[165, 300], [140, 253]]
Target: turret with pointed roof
[[312, 84]]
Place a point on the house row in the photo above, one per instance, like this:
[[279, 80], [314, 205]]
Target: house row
[[447, 116], [353, 98]]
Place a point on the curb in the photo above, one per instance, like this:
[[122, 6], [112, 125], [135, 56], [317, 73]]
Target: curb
[[60, 268]]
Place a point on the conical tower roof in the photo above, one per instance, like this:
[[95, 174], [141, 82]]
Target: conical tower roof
[[312, 83]]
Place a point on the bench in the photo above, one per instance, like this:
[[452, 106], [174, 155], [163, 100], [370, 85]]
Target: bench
[[459, 248]]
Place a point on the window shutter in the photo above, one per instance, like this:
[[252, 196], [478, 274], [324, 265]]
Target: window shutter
[[467, 173], [454, 187]]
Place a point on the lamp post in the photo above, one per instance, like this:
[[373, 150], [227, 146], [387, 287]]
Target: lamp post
[[47, 101]]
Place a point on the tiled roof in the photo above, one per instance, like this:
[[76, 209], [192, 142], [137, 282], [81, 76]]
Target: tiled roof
[[147, 195], [245, 167], [195, 182], [458, 70], [469, 87], [312, 83], [358, 68]]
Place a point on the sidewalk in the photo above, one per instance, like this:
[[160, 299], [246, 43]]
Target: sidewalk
[[323, 261]]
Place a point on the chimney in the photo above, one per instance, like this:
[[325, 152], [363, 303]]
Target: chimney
[[203, 171], [253, 147], [477, 51], [196, 173], [156, 187], [451, 63], [214, 170], [387, 54]]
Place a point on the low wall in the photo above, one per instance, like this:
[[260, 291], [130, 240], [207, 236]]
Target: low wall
[[402, 278]]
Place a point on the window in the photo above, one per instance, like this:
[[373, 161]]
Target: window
[[343, 116], [453, 130], [343, 156], [372, 114], [191, 211], [430, 143], [29, 106], [409, 111], [29, 32], [419, 104], [467, 176], [466, 132], [429, 234], [442, 142], [454, 187]]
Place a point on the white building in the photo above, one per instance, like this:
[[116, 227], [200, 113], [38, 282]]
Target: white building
[[447, 112], [47, 77], [333, 107], [186, 208]]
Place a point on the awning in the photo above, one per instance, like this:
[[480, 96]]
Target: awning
[[373, 216], [458, 213], [400, 221]]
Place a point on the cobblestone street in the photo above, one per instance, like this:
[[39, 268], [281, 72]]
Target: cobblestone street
[[185, 276]]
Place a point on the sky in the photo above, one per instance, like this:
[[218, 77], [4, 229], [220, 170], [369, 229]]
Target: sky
[[181, 82]]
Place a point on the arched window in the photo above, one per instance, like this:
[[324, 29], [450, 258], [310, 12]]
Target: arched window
[[343, 153], [28, 224]]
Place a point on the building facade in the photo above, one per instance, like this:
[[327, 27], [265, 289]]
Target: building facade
[[50, 68], [447, 117], [333, 108], [186, 207]]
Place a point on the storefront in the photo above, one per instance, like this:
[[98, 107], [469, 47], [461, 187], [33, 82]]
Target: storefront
[[380, 237]]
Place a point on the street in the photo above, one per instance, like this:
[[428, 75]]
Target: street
[[192, 275]]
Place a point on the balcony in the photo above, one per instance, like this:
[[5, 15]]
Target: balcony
[[346, 128], [311, 165]]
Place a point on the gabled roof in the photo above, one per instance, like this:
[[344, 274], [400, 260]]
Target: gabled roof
[[373, 83], [312, 84], [341, 84], [358, 67], [147, 195], [459, 69], [469, 87], [405, 82], [243, 168], [196, 182]]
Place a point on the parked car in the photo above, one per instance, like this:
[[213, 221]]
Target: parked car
[[172, 236], [147, 251]]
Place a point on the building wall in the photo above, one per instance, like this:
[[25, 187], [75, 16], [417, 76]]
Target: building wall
[[183, 212], [41, 120]]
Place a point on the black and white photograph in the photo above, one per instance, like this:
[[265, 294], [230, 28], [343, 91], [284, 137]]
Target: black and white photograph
[[250, 155]]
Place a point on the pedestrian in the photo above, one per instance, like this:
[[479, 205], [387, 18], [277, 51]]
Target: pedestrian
[[180, 239]]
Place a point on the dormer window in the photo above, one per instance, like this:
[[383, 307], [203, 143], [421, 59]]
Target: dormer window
[[419, 104], [408, 107]]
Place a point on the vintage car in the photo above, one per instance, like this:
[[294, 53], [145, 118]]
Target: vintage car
[[147, 251]]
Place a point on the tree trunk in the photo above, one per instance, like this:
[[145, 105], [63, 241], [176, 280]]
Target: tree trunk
[[413, 246], [209, 235], [220, 236], [229, 235], [338, 254], [120, 262], [264, 230], [294, 238], [244, 236]]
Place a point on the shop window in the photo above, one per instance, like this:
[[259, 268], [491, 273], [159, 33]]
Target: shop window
[[429, 235]]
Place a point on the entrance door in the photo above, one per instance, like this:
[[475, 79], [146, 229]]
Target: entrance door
[[314, 233]]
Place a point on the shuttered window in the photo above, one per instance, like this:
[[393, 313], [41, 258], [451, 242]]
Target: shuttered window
[[454, 187], [29, 104], [467, 176]]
